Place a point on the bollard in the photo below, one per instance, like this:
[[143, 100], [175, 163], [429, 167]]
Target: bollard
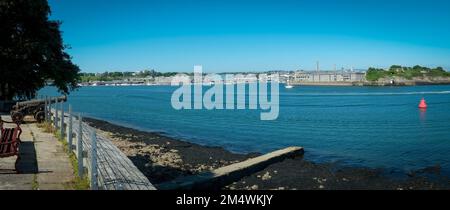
[[94, 173], [69, 130], [80, 147]]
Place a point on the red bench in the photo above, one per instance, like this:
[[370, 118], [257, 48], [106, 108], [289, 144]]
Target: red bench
[[10, 142]]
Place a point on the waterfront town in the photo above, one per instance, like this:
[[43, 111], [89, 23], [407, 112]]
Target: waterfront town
[[299, 77], [395, 75]]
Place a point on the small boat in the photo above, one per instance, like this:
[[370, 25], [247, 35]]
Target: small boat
[[288, 85]]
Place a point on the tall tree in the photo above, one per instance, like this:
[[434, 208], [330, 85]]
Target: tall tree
[[32, 51]]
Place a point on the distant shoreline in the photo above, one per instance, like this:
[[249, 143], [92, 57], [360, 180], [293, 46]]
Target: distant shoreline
[[372, 84], [356, 84]]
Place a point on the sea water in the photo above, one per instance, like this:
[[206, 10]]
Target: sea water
[[362, 126]]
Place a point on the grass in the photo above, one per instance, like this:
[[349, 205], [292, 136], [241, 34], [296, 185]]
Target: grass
[[47, 127], [79, 183], [34, 183]]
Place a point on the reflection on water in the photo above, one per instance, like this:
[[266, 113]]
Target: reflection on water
[[423, 115]]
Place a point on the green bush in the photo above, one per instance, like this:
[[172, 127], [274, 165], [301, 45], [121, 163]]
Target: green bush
[[374, 74]]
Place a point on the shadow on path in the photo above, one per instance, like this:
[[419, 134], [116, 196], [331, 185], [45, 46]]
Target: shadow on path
[[28, 159]]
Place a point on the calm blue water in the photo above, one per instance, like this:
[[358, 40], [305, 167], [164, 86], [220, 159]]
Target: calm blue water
[[364, 126]]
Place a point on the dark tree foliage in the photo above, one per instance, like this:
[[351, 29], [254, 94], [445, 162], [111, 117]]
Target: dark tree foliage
[[32, 51], [374, 74], [110, 76]]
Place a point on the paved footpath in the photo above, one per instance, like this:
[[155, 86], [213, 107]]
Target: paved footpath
[[44, 164]]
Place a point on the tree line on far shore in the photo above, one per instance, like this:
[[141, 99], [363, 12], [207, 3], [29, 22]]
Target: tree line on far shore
[[116, 75], [374, 74]]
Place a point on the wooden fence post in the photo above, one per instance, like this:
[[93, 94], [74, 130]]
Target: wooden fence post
[[49, 110], [56, 114], [52, 115], [62, 121], [69, 130], [80, 147], [46, 109], [94, 173]]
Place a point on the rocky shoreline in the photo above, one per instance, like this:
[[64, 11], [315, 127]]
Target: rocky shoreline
[[163, 159], [382, 82], [399, 81]]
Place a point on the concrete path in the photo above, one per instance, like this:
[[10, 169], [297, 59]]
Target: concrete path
[[224, 176], [44, 164]]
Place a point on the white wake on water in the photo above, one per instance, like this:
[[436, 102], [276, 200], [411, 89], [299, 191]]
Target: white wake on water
[[373, 94]]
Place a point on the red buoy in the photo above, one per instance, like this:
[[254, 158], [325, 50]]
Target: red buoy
[[423, 104]]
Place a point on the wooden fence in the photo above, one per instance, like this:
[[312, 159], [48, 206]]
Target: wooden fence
[[106, 166]]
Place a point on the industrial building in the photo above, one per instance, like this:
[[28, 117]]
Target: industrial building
[[328, 76]]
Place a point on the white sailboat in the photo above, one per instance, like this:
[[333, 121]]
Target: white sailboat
[[288, 85]]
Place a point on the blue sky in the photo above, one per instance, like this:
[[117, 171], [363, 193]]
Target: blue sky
[[231, 35]]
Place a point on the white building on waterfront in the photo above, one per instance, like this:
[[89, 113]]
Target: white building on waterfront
[[328, 76], [163, 80]]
